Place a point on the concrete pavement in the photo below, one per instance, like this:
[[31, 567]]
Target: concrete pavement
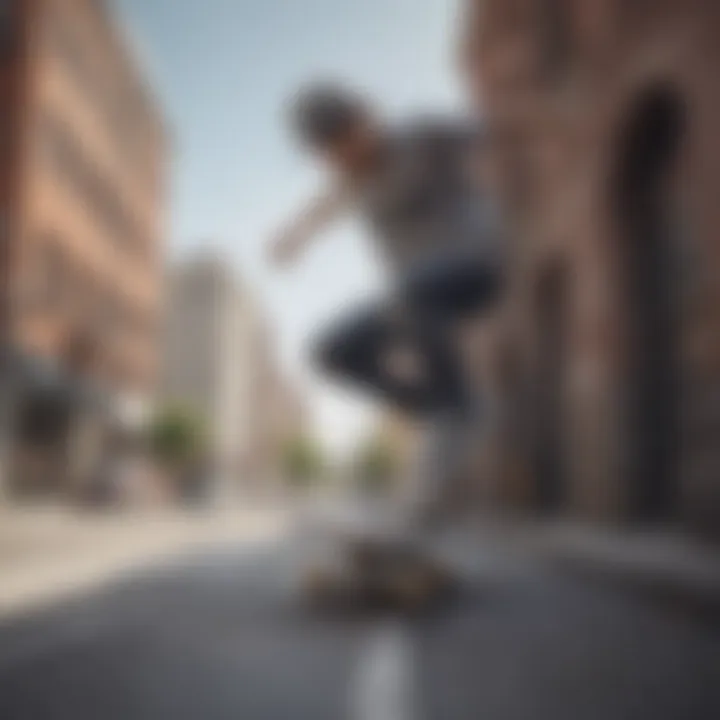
[[49, 554], [663, 564], [224, 634]]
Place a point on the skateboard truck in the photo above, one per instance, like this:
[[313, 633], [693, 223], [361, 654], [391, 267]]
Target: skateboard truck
[[379, 573]]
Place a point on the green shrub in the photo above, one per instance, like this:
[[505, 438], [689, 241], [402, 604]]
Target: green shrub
[[177, 437], [376, 465], [302, 461]]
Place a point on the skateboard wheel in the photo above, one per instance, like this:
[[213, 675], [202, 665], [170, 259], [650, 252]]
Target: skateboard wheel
[[317, 582], [415, 589]]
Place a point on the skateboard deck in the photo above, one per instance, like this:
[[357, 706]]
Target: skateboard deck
[[378, 569]]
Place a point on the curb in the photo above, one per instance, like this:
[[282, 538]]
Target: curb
[[668, 568], [44, 582], [673, 587]]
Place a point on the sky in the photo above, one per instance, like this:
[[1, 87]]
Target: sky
[[223, 71]]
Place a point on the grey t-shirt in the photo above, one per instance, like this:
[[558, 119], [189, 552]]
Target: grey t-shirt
[[421, 198]]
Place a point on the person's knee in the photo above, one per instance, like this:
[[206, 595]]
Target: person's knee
[[488, 285], [453, 291], [327, 353], [343, 349]]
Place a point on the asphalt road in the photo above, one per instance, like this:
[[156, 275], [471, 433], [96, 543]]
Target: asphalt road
[[225, 636]]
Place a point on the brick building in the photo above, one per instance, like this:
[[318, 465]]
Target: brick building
[[604, 117], [82, 195]]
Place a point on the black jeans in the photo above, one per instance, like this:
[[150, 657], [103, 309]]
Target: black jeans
[[422, 315]]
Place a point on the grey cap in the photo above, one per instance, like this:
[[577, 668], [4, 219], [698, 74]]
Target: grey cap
[[323, 112]]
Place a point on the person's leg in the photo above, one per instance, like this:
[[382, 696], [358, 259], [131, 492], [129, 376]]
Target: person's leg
[[432, 298], [436, 470], [442, 292], [358, 348], [438, 294], [453, 286]]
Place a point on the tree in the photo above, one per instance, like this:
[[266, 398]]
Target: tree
[[178, 437], [376, 465], [302, 461]]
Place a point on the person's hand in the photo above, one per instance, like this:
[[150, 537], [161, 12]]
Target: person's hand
[[295, 236]]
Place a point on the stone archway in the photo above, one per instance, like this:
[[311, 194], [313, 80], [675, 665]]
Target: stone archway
[[644, 197], [549, 375]]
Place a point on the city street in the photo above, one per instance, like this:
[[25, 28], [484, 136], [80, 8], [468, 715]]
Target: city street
[[224, 634], [440, 276]]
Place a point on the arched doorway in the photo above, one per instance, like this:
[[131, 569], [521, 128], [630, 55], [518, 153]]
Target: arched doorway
[[549, 390], [645, 204]]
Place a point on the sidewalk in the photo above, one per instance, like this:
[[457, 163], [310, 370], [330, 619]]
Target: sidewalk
[[670, 566], [50, 554]]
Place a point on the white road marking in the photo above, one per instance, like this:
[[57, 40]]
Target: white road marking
[[383, 686]]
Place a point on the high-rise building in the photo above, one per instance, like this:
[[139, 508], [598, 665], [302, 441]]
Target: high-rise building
[[273, 410], [285, 422], [82, 198], [221, 362], [206, 357]]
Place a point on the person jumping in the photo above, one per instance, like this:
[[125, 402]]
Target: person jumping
[[416, 186]]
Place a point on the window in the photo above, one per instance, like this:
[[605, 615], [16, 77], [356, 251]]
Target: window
[[72, 164], [49, 292], [118, 105]]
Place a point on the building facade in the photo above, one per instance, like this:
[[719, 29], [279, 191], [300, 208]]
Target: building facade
[[603, 117], [205, 358], [277, 411], [220, 361], [82, 200]]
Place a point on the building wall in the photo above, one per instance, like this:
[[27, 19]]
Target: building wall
[[83, 150], [14, 68], [191, 358], [217, 360], [87, 251], [253, 390], [200, 346], [253, 337], [264, 449], [563, 94], [275, 411]]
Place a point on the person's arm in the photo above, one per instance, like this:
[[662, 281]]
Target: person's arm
[[293, 238]]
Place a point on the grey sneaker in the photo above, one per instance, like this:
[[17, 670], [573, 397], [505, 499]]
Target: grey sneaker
[[438, 468]]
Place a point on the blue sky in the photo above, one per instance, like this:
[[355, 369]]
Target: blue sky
[[223, 70]]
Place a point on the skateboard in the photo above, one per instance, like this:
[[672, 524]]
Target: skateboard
[[380, 571]]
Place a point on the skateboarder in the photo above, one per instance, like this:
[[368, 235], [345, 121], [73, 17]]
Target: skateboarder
[[417, 187]]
